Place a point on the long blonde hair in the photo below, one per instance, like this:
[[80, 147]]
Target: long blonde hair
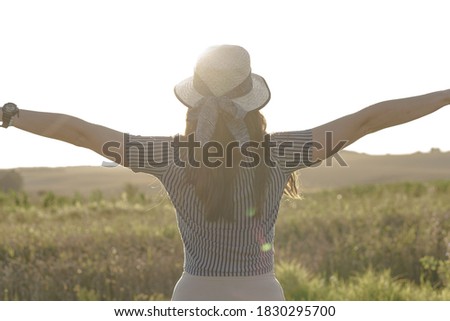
[[214, 186]]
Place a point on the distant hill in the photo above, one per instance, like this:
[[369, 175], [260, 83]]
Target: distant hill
[[361, 169], [84, 180], [369, 169]]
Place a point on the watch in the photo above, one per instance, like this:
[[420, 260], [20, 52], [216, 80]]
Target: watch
[[9, 111]]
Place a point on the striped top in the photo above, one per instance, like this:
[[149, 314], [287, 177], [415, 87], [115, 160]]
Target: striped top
[[244, 247]]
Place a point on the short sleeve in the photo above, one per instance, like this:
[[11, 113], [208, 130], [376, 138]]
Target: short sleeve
[[148, 154], [291, 150]]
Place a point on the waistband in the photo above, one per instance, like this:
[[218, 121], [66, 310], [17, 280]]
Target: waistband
[[222, 278]]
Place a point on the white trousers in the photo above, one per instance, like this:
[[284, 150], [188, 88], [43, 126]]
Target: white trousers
[[263, 287]]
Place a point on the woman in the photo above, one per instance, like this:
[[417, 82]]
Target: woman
[[226, 176]]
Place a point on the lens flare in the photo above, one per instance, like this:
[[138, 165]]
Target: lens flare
[[266, 247]]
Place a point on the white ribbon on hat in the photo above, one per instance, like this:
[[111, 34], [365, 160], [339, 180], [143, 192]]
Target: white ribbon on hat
[[206, 113]]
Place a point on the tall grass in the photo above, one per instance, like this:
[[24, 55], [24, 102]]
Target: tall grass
[[381, 227], [376, 242]]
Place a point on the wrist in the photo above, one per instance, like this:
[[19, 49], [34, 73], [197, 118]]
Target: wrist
[[447, 96]]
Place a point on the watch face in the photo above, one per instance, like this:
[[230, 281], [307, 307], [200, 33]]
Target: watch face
[[10, 108]]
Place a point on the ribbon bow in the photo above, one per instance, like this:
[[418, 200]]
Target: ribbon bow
[[206, 113]]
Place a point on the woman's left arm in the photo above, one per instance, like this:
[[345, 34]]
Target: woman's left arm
[[348, 129]]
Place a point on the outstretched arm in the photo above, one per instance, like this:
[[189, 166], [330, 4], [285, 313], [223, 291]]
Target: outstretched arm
[[69, 129], [350, 128]]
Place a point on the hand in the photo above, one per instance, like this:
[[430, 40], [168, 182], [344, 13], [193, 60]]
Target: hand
[[1, 117]]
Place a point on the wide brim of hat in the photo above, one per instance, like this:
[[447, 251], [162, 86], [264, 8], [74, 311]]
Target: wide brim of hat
[[257, 98]]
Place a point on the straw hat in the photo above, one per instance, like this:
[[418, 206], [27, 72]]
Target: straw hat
[[224, 71]]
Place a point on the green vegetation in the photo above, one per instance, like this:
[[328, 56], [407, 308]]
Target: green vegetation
[[374, 242]]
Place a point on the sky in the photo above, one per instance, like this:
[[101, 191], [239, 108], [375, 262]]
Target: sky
[[115, 63]]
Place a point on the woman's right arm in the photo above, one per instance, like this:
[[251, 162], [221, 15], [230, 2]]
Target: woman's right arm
[[71, 130], [335, 135]]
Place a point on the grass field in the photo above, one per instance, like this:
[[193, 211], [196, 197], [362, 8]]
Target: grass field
[[371, 242]]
